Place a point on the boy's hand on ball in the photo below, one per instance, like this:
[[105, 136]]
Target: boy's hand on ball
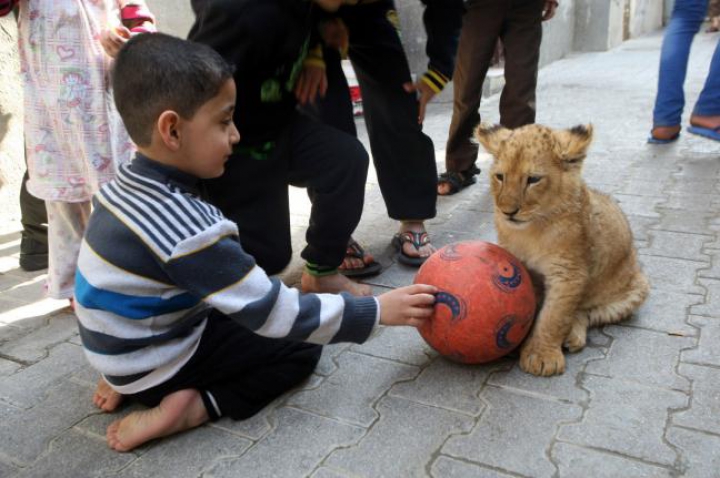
[[410, 305]]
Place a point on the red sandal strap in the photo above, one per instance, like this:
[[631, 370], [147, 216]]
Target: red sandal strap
[[135, 13], [417, 239]]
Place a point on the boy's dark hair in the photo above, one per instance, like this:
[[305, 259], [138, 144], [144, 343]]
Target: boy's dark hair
[[155, 72]]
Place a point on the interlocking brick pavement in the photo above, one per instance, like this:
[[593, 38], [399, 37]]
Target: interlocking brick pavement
[[642, 399]]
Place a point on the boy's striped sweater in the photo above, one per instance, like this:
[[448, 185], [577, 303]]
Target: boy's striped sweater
[[156, 259]]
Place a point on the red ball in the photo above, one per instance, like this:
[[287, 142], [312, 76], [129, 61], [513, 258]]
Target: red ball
[[485, 305]]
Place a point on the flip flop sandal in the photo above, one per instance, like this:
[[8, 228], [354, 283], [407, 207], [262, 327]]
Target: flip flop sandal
[[356, 251], [458, 181], [709, 133], [417, 239]]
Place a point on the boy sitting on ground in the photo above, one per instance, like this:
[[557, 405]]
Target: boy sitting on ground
[[172, 312]]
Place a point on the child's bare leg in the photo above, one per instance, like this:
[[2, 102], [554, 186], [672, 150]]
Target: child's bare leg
[[333, 284], [105, 398], [178, 411]]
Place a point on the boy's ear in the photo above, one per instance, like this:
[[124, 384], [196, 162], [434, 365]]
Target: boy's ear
[[168, 126], [491, 136], [571, 145]]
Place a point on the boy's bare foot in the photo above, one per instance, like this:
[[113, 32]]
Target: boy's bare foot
[[105, 398], [333, 284], [177, 412], [408, 248]]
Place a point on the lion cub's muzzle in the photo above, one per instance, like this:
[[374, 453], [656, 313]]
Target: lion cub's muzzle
[[511, 216]]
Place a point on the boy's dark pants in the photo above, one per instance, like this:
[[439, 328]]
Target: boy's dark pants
[[403, 155], [241, 371], [253, 193], [519, 25]]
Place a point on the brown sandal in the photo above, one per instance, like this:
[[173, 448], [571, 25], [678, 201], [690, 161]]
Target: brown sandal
[[458, 180], [355, 251], [417, 239]]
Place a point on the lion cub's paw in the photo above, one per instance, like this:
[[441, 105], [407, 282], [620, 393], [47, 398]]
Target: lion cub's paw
[[577, 338], [574, 343], [542, 361]]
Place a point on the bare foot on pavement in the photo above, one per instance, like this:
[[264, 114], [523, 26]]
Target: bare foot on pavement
[[177, 412], [105, 398]]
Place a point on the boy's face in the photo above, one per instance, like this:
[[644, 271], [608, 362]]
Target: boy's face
[[209, 136]]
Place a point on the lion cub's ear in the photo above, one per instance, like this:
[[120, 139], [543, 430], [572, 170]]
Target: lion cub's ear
[[571, 145], [491, 136]]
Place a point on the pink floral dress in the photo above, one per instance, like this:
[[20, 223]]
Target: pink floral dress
[[74, 138]]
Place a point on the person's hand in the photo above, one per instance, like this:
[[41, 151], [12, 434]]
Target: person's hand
[[425, 94], [410, 305], [549, 9], [334, 34], [329, 5], [311, 82], [112, 39]]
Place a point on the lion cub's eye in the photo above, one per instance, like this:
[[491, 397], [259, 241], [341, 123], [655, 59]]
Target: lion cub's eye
[[533, 179], [499, 177]]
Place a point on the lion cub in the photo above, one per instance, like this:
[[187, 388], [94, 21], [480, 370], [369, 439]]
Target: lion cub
[[575, 241]]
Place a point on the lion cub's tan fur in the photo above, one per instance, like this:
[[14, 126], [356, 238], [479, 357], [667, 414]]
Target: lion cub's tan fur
[[575, 241]]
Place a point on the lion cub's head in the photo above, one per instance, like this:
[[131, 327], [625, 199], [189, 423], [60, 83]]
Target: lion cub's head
[[536, 171]]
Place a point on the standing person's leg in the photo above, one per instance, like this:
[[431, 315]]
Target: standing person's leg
[[481, 28], [521, 37], [403, 155], [34, 241], [687, 16], [336, 109], [66, 225], [705, 119], [333, 166]]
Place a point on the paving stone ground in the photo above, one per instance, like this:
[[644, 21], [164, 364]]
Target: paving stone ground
[[642, 400]]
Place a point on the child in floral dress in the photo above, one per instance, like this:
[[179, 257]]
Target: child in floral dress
[[73, 136]]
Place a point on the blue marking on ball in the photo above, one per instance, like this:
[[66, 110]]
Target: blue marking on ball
[[508, 280], [455, 304], [503, 330], [450, 253]]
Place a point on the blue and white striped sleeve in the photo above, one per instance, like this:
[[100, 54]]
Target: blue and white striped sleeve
[[213, 266]]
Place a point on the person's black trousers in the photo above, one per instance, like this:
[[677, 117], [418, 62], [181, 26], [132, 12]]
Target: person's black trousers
[[236, 371], [403, 155], [34, 236]]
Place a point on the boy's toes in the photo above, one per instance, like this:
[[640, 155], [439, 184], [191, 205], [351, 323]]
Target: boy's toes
[[112, 438], [105, 397]]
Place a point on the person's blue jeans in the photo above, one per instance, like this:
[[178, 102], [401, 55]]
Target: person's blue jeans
[[687, 16]]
